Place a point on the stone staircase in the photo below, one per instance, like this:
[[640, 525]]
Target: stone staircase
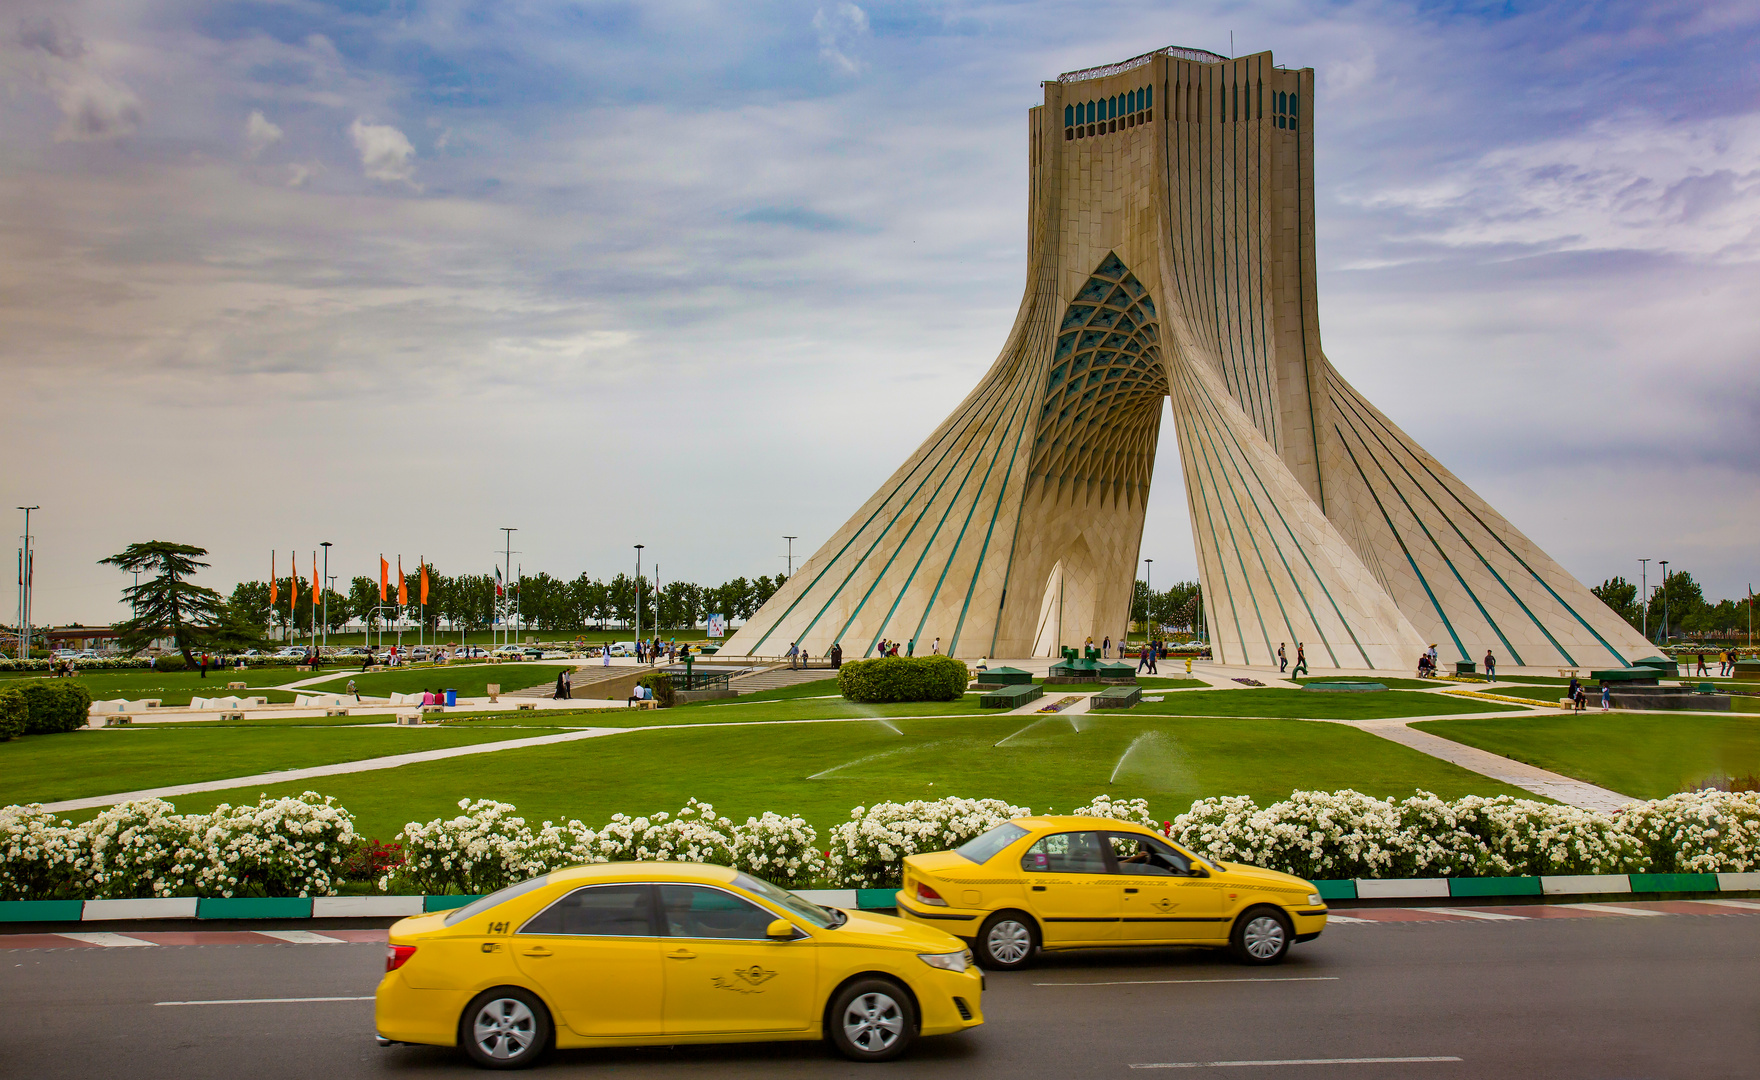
[[776, 678]]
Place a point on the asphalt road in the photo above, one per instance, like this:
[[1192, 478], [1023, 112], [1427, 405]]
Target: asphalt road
[[1623, 998]]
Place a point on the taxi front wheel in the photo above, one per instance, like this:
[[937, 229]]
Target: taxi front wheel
[[1006, 941], [1261, 935], [872, 1020], [505, 1028]]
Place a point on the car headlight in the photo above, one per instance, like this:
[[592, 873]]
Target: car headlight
[[947, 961], [1314, 899]]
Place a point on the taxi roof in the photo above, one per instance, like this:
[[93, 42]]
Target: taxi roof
[[645, 871], [1065, 821]]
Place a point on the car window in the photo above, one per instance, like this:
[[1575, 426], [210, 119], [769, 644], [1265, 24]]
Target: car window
[[823, 918], [1144, 855], [598, 911], [701, 912], [1065, 853], [981, 849], [484, 903]]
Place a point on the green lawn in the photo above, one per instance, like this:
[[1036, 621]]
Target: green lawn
[[1391, 684], [1646, 755], [49, 768], [470, 680], [177, 687], [822, 770], [1313, 705]]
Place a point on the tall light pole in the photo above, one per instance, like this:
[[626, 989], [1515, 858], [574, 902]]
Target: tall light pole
[[1664, 563], [26, 559], [1644, 594], [324, 584], [639, 595], [507, 571], [790, 556], [1149, 595]]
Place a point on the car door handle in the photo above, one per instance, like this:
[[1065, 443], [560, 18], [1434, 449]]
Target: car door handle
[[1130, 890], [537, 951], [1038, 888], [682, 954]]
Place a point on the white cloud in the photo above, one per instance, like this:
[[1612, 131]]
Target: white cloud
[[260, 133], [837, 30], [385, 152], [93, 104]]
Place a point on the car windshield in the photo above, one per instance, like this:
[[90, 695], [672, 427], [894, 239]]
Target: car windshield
[[981, 849], [823, 918], [484, 903]]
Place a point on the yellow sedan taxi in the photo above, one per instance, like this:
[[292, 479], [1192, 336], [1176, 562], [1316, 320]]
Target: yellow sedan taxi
[[627, 954], [1081, 883]]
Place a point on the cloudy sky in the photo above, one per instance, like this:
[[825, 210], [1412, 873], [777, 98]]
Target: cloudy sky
[[394, 273]]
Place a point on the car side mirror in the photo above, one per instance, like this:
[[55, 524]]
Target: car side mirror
[[1200, 870], [780, 930]]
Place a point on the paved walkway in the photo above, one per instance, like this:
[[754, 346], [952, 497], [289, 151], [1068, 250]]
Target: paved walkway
[[1515, 773]]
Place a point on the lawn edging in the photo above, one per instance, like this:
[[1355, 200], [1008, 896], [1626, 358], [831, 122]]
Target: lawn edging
[[380, 907]]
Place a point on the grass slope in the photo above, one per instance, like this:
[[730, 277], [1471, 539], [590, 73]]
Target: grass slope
[[822, 770], [1316, 705], [470, 680], [49, 768], [1644, 755]]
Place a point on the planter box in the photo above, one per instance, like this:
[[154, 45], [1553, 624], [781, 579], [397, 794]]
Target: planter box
[[254, 907], [40, 910]]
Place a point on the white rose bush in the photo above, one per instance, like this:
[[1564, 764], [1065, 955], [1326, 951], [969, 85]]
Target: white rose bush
[[308, 845]]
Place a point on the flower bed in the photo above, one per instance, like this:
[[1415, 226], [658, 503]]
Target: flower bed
[[308, 847]]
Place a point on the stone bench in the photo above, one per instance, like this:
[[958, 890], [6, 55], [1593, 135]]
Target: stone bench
[[1116, 697], [1011, 697], [333, 711], [236, 686], [232, 716], [526, 706], [409, 719]]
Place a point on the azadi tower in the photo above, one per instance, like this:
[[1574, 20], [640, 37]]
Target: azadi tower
[[1171, 255]]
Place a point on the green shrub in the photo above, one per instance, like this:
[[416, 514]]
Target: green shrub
[[172, 662], [54, 705], [903, 678], [661, 683], [15, 712]]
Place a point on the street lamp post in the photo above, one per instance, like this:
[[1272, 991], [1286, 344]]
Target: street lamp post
[[790, 556], [1149, 597], [1644, 594], [26, 561], [639, 595], [324, 584], [507, 570]]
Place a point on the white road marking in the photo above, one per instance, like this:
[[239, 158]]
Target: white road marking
[[263, 999], [1467, 913], [110, 941], [1293, 1061], [1169, 982], [1748, 904], [1613, 909], [300, 937], [1334, 917]]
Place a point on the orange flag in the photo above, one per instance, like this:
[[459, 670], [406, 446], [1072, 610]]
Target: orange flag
[[292, 585], [384, 571], [317, 582], [424, 582], [274, 591], [402, 589]]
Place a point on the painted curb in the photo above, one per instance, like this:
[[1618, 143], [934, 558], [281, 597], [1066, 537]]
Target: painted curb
[[174, 907], [365, 907], [1581, 884], [1401, 888]]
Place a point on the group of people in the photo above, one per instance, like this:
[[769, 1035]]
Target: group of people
[[1301, 667], [1726, 664], [890, 648], [1579, 696]]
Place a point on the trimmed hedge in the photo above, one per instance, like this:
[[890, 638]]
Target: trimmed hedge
[[170, 662], [902, 678], [55, 705], [15, 712]]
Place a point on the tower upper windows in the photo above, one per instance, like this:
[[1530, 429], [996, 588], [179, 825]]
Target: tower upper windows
[[1102, 116], [1289, 110]]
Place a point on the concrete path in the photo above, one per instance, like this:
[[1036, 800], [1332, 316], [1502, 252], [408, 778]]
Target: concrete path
[[339, 768], [1515, 773]]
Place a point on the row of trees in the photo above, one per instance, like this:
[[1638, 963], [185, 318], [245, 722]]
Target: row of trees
[[1688, 610], [1176, 607]]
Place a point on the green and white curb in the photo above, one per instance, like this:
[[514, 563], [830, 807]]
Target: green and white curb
[[384, 907]]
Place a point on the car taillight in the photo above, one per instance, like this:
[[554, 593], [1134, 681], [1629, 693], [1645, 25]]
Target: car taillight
[[398, 955], [926, 895]]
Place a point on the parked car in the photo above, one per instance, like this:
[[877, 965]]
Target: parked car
[[469, 652]]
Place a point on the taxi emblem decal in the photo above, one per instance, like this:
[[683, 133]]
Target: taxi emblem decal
[[1163, 904], [744, 980]]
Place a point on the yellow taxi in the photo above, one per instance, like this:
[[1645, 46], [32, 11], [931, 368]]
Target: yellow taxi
[[1082, 883], [627, 954]]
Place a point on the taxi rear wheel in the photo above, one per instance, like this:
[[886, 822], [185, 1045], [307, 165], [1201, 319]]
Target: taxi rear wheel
[[1262, 935], [505, 1028], [1006, 941], [872, 1020]]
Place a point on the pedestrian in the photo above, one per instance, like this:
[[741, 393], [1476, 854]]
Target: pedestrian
[[605, 653], [1701, 663], [561, 687], [366, 661], [1154, 653], [1432, 655], [911, 649], [352, 690], [1106, 647], [1571, 691], [202, 664], [1490, 667], [1580, 698], [794, 654], [1301, 667], [837, 655], [1606, 697], [1722, 662], [1282, 659], [1143, 658], [936, 648]]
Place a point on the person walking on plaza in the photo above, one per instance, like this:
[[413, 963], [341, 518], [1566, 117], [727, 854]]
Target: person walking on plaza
[[935, 649], [794, 654], [1282, 659], [1701, 663], [202, 664], [1106, 647], [1301, 667], [561, 687], [1722, 662], [606, 654], [1606, 697], [1490, 667], [911, 648], [837, 655], [1143, 658], [1154, 653]]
